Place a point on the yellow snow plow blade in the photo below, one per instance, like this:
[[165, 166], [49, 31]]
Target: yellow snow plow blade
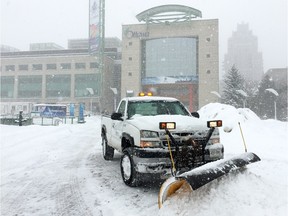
[[169, 187], [196, 178]]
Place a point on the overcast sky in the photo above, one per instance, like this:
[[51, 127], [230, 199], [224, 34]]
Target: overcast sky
[[34, 21]]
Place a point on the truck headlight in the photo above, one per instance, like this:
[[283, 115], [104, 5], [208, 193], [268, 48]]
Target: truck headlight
[[214, 140], [149, 139], [148, 134]]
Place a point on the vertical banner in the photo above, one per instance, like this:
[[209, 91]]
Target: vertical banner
[[94, 26]]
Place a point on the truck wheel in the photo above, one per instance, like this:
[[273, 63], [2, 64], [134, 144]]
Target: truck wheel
[[129, 174], [108, 152]]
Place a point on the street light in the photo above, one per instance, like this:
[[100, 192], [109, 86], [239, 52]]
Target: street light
[[216, 93], [244, 94], [273, 91], [91, 93], [115, 93]]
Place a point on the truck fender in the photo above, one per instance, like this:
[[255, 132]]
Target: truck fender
[[127, 141], [103, 130]]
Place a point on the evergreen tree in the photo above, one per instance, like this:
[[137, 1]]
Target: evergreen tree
[[233, 82]]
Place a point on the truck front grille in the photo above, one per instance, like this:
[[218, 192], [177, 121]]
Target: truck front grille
[[195, 143]]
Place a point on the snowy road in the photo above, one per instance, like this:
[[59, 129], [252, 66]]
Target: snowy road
[[62, 172], [59, 171]]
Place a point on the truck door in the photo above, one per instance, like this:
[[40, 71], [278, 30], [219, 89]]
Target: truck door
[[117, 127]]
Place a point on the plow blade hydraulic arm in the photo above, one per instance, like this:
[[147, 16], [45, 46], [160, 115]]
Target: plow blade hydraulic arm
[[196, 178]]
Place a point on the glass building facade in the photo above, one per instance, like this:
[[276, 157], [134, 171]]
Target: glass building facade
[[30, 86], [7, 86], [169, 60], [58, 85], [85, 81]]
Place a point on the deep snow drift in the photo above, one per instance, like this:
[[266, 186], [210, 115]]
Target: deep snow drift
[[59, 170], [261, 189]]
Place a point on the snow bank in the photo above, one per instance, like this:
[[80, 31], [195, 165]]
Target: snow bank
[[268, 138], [261, 188]]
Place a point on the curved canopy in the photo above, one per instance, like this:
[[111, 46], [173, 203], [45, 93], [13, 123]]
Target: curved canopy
[[168, 13]]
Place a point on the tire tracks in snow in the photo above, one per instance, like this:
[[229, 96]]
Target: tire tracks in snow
[[69, 198], [46, 184], [113, 192]]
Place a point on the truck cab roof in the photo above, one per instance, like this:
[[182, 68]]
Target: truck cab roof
[[149, 98]]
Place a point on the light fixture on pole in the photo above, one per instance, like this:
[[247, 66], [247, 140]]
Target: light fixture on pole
[[244, 94], [216, 93], [91, 93], [273, 91], [115, 94]]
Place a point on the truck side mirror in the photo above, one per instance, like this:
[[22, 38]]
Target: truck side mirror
[[195, 114], [117, 116]]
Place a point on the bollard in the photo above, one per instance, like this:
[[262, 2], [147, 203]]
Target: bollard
[[20, 118]]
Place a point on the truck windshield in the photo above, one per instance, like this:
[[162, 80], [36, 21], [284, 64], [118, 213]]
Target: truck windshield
[[152, 108]]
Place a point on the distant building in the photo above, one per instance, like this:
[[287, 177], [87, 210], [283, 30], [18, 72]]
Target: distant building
[[78, 44], [110, 42], [69, 76], [243, 53], [44, 46], [5, 48], [171, 54]]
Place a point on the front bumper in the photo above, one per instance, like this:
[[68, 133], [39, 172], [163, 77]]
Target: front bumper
[[157, 160]]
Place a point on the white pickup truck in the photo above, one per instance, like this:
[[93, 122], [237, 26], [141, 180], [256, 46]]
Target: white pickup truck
[[134, 130]]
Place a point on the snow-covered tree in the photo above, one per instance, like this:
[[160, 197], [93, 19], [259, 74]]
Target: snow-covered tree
[[233, 84]]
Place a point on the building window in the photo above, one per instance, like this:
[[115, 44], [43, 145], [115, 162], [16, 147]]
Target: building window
[[10, 68], [37, 67], [94, 65], [208, 71], [85, 81], [130, 58], [65, 66], [164, 56], [7, 86], [129, 74], [29, 86], [80, 65], [58, 86], [51, 66], [208, 39], [23, 67], [207, 55], [130, 43]]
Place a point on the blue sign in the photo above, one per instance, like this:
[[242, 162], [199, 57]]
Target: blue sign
[[81, 113], [72, 109]]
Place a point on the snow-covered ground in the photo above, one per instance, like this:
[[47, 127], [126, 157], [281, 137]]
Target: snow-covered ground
[[59, 170]]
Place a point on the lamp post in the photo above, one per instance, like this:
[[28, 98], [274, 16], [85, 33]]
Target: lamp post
[[115, 93], [244, 94], [91, 93], [216, 93], [273, 91]]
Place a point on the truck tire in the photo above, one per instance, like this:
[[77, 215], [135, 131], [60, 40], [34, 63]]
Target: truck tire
[[129, 174], [108, 151]]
